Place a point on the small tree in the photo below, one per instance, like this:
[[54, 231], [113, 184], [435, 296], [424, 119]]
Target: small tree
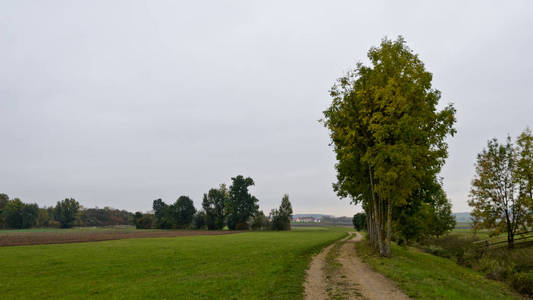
[[199, 220], [162, 215], [213, 204], [441, 219], [30, 215], [4, 199], [359, 221], [281, 218], [44, 218], [259, 221], [143, 221], [495, 195], [66, 212], [183, 211]]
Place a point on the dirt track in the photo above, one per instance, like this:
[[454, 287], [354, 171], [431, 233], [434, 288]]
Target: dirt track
[[37, 238], [353, 279]]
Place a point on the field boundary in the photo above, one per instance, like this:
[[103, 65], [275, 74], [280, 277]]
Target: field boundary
[[43, 238]]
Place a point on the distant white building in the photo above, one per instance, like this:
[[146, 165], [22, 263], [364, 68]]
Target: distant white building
[[305, 220]]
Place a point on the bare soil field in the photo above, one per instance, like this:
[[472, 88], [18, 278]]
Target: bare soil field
[[80, 236]]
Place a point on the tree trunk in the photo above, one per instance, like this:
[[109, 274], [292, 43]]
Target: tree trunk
[[376, 214], [370, 226], [389, 229], [510, 233]]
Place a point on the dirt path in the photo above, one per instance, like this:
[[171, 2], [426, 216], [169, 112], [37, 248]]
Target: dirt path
[[337, 272]]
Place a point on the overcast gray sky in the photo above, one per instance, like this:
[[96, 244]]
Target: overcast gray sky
[[117, 103]]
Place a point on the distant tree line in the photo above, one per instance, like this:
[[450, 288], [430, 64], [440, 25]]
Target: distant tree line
[[233, 207], [67, 213]]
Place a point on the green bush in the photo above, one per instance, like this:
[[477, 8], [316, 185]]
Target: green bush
[[512, 266], [523, 282], [495, 269], [144, 221]]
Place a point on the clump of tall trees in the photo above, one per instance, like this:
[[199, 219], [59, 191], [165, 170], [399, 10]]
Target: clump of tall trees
[[234, 207], [177, 215], [502, 189], [16, 214], [388, 136]]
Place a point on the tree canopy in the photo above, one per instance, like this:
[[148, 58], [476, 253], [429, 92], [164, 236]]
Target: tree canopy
[[281, 218], [501, 189], [66, 212], [387, 133], [213, 204], [240, 205], [359, 221], [183, 212]]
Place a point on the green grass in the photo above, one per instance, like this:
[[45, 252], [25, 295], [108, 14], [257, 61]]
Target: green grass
[[267, 265], [424, 276]]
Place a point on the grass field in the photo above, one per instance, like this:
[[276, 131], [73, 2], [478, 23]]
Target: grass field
[[424, 276], [267, 265]]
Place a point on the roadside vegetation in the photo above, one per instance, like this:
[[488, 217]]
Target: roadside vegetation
[[472, 249], [254, 265], [425, 276]]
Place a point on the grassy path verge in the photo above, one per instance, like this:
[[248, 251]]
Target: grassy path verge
[[424, 276]]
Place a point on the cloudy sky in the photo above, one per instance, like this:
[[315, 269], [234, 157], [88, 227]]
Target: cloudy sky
[[117, 103]]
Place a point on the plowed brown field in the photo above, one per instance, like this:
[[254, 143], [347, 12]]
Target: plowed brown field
[[73, 236]]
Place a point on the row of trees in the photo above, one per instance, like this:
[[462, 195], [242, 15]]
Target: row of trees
[[502, 189], [67, 213], [233, 207], [390, 141]]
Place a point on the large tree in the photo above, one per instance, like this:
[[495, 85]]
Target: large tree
[[66, 212], [496, 196], [240, 205], [213, 204], [387, 133]]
